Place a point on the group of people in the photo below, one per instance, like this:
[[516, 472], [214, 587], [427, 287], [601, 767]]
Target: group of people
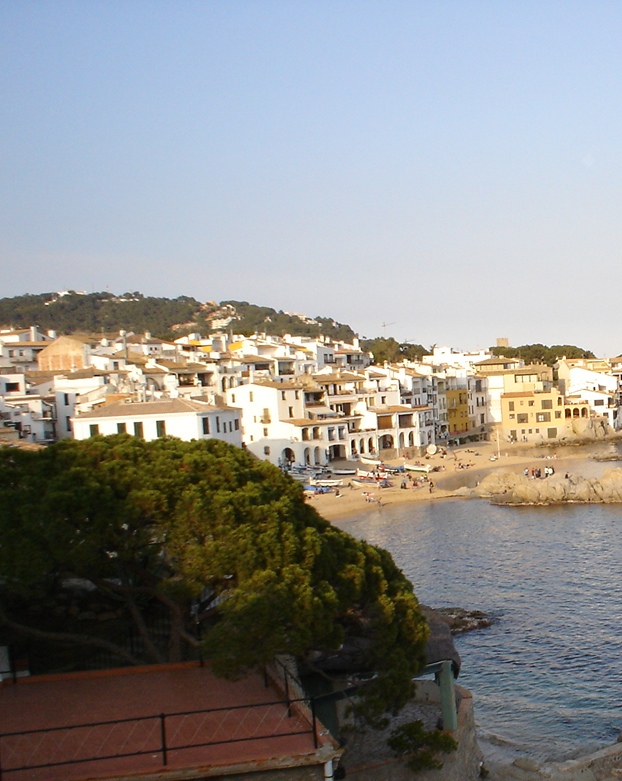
[[536, 473], [408, 481]]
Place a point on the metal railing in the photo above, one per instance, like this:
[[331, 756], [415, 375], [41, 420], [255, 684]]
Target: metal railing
[[157, 736]]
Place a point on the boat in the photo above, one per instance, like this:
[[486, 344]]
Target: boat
[[366, 460], [326, 483], [318, 489], [364, 481], [418, 468], [343, 471]]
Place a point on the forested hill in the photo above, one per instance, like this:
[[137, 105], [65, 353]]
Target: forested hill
[[164, 317]]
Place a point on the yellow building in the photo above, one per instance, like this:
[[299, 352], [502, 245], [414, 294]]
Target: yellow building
[[458, 412], [537, 416]]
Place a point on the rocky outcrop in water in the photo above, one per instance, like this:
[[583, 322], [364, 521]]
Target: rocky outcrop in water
[[503, 487]]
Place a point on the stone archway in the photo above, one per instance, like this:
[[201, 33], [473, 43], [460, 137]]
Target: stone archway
[[288, 456], [386, 442]]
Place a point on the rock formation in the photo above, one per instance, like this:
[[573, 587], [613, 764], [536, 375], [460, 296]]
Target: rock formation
[[503, 487]]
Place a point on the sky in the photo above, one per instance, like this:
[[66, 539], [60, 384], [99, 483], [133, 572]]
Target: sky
[[443, 172]]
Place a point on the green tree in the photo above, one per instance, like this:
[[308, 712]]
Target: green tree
[[419, 746], [540, 353], [390, 350], [181, 525]]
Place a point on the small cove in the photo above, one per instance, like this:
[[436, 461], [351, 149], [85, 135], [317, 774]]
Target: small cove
[[547, 676]]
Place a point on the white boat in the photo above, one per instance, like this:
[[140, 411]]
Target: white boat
[[327, 483], [366, 460], [365, 481], [418, 468], [343, 471]]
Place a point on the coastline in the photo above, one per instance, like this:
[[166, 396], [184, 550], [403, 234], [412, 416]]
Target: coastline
[[502, 761], [514, 458]]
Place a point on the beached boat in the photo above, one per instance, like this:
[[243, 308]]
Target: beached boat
[[425, 468], [367, 460], [327, 483], [364, 481], [371, 482], [343, 471]]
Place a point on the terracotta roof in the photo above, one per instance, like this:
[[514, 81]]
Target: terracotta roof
[[337, 376], [159, 407], [495, 360]]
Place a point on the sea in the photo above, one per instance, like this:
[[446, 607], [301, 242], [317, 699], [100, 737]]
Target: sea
[[546, 677]]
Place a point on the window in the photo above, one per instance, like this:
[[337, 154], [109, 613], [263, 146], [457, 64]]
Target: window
[[217, 424], [296, 394], [266, 450], [205, 424], [543, 417], [546, 404], [160, 428], [66, 399], [250, 395], [531, 403], [599, 402], [93, 430], [291, 412], [383, 399], [512, 417], [265, 432], [138, 429], [558, 413], [513, 433], [68, 423], [233, 398], [283, 395], [12, 387], [237, 424], [551, 433], [121, 428], [522, 417]]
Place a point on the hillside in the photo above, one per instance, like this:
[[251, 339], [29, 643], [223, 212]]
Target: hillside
[[72, 311]]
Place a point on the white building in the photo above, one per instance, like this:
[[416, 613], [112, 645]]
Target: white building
[[149, 420]]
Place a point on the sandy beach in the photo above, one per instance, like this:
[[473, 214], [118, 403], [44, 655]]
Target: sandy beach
[[463, 466]]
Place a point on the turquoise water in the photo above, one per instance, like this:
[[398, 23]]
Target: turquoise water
[[547, 676]]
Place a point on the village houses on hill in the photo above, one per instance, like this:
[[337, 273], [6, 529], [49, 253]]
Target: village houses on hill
[[292, 399]]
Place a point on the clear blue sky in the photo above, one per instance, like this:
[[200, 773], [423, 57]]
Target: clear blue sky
[[450, 169]]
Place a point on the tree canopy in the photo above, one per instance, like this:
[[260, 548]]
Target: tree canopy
[[389, 349], [211, 536], [540, 353], [164, 317]]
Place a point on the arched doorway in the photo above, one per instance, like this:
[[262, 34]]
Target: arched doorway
[[386, 442], [288, 456]]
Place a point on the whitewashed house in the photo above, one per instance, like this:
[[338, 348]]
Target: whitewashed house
[[149, 420]]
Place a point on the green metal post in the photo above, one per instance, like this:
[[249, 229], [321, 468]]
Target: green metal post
[[448, 697]]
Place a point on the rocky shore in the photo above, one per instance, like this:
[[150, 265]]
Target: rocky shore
[[508, 488]]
